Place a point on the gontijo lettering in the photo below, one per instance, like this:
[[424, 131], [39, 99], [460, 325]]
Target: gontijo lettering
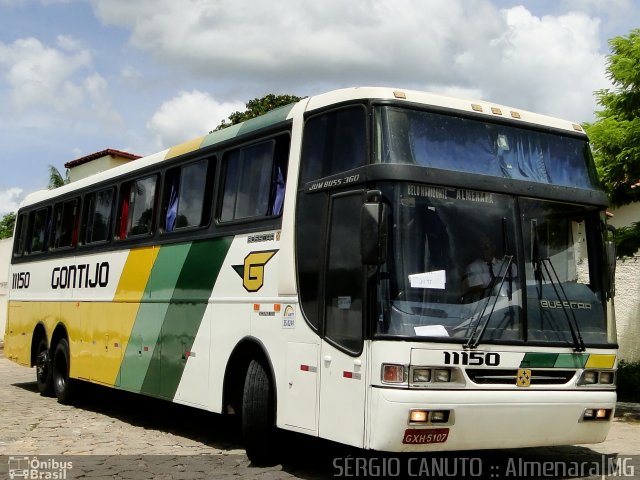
[[80, 276]]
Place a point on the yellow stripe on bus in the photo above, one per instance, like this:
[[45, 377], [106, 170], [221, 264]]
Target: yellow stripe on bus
[[185, 147], [600, 361], [135, 274], [112, 322]]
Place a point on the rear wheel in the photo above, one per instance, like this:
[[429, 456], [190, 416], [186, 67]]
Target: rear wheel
[[44, 375], [62, 384], [258, 416]]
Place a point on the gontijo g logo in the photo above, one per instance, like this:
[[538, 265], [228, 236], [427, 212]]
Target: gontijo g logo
[[252, 272]]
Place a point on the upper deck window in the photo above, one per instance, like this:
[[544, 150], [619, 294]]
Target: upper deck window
[[334, 142], [467, 145]]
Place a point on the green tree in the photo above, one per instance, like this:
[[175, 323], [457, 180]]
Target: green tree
[[615, 135], [6, 225], [56, 179], [257, 107]]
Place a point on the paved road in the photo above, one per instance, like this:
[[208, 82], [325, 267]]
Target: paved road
[[113, 434]]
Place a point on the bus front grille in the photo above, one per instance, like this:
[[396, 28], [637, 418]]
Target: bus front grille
[[491, 376]]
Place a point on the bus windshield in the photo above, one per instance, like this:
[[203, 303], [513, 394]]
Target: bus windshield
[[466, 145], [458, 269]]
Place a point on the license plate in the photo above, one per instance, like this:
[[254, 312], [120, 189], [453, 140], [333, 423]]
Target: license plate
[[417, 436]]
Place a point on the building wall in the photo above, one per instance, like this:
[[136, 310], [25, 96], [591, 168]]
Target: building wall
[[627, 302], [5, 258], [95, 166], [626, 215]]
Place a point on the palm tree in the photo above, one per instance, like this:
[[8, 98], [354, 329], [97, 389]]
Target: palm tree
[[56, 179]]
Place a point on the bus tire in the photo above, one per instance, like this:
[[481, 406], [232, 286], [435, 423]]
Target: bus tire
[[258, 422], [62, 384], [44, 370]]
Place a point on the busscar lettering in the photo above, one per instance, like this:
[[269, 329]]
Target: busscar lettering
[[573, 305], [80, 276]]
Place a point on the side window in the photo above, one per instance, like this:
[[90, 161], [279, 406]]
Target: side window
[[254, 180], [65, 224], [40, 226], [334, 142], [98, 213], [137, 207], [20, 240], [187, 196], [344, 283]]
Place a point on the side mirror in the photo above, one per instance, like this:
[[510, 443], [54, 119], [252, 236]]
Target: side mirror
[[373, 230]]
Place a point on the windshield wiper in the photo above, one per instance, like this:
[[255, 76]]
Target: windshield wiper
[[538, 265], [474, 340]]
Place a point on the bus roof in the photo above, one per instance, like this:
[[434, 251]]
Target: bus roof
[[281, 114]]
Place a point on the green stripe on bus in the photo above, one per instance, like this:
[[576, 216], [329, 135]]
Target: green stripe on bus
[[572, 360], [554, 360], [145, 333], [539, 360], [184, 315]]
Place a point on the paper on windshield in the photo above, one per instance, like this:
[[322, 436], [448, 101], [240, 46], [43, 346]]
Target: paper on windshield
[[431, 331], [435, 279]]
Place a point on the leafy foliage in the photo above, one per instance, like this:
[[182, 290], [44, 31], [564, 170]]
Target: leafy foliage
[[628, 240], [257, 107], [615, 135], [56, 179], [629, 381], [6, 225]]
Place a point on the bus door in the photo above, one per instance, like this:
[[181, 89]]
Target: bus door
[[343, 356]]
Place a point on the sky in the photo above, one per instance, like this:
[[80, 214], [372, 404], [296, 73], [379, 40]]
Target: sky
[[80, 76]]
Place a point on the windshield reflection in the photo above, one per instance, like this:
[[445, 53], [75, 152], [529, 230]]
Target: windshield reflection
[[453, 271]]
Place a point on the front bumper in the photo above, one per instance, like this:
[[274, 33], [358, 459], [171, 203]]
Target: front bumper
[[488, 419]]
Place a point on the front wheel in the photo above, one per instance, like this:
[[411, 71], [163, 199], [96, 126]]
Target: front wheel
[[258, 416], [44, 375], [62, 384]]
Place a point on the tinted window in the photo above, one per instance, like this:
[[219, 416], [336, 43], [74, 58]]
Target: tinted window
[[20, 240], [254, 180], [334, 142], [311, 218], [99, 212], [137, 207], [467, 145], [66, 224], [186, 196], [40, 226], [344, 281]]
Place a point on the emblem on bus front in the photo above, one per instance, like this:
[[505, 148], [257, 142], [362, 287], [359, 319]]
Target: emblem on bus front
[[524, 377], [252, 271]]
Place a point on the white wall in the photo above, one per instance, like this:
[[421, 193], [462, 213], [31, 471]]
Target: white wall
[[5, 258], [625, 215], [627, 302]]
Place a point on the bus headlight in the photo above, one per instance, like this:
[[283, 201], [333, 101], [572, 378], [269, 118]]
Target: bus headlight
[[421, 375], [442, 375], [606, 378], [589, 377], [597, 378], [435, 377]]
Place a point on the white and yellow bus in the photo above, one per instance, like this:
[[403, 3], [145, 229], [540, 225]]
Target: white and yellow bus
[[393, 270]]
